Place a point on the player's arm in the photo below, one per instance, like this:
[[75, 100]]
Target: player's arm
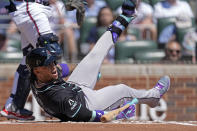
[[66, 69], [77, 112]]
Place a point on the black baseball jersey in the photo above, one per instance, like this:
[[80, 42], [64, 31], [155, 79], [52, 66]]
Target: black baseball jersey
[[62, 100]]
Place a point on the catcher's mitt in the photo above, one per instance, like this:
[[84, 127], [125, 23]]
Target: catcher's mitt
[[79, 5]]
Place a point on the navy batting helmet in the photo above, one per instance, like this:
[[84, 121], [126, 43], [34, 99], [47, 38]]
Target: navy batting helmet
[[39, 57]]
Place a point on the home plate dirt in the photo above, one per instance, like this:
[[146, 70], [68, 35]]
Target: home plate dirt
[[89, 126]]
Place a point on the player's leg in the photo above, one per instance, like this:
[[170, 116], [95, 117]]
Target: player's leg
[[87, 70], [110, 97], [36, 28], [36, 22], [14, 107]]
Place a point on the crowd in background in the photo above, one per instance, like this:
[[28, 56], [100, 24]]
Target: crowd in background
[[176, 39]]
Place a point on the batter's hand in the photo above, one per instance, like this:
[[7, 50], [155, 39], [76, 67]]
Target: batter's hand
[[127, 113], [79, 5]]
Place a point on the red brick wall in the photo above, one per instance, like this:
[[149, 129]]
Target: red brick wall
[[181, 98]]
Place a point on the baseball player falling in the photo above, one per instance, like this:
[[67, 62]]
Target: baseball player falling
[[75, 99], [32, 19]]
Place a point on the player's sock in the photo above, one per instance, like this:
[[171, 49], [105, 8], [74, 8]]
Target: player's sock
[[118, 26], [122, 21]]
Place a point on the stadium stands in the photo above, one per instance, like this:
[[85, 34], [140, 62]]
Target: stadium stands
[[139, 50], [10, 57], [88, 23], [124, 51], [114, 4], [149, 56]]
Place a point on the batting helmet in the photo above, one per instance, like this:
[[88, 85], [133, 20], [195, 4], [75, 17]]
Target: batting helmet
[[39, 57]]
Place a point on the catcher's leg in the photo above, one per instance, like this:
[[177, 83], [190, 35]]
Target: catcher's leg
[[14, 106], [23, 87]]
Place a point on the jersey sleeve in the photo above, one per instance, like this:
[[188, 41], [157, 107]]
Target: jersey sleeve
[[71, 106], [76, 111], [65, 69]]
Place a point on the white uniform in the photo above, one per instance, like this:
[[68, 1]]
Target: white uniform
[[32, 20], [181, 7]]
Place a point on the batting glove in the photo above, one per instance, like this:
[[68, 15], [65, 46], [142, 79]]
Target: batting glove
[[127, 113]]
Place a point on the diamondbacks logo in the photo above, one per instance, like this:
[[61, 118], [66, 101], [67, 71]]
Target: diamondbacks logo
[[100, 114], [72, 104]]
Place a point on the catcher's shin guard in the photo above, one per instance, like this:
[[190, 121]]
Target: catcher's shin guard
[[23, 87]]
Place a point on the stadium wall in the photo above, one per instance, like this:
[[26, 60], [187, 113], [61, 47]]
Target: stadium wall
[[179, 104]]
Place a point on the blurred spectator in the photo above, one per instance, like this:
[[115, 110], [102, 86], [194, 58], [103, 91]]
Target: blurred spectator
[[58, 23], [3, 20], [92, 10], [14, 38], [144, 21], [93, 7], [173, 53], [171, 8], [3, 40], [189, 45], [104, 19], [125, 36]]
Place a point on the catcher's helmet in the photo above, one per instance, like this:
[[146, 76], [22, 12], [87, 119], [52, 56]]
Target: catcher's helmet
[[39, 57], [50, 42]]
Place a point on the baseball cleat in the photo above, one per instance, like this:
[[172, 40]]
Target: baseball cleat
[[163, 85], [22, 114]]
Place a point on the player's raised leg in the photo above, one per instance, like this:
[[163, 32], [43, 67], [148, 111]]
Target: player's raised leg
[[87, 70]]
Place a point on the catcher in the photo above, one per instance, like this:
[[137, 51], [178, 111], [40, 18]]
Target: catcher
[[32, 18], [75, 99]]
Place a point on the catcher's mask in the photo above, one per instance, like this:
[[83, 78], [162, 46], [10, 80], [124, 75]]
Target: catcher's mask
[[39, 57], [50, 42]]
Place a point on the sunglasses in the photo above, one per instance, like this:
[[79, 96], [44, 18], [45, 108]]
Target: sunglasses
[[171, 51]]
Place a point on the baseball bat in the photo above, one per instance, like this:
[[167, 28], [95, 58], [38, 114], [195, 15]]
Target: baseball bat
[[112, 114]]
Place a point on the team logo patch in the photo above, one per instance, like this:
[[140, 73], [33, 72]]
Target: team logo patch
[[72, 104]]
